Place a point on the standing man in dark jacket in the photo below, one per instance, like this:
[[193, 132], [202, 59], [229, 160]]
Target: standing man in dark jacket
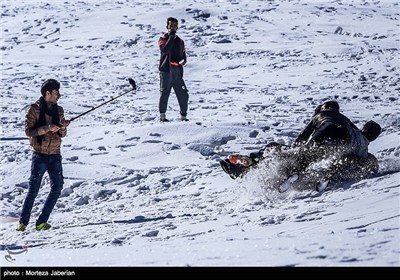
[[172, 60], [45, 126]]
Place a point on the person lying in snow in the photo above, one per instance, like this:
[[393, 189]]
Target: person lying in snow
[[329, 136]]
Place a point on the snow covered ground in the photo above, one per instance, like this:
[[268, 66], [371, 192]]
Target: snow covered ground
[[139, 192]]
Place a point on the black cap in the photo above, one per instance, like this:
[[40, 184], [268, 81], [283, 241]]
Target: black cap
[[371, 130], [49, 85]]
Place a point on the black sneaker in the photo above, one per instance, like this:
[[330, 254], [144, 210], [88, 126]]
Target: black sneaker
[[233, 170], [163, 118], [226, 166]]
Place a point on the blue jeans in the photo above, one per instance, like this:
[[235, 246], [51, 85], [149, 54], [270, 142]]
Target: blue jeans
[[40, 164]]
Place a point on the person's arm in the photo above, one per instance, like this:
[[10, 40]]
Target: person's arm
[[64, 123], [317, 110], [30, 124], [166, 42], [184, 60], [305, 134], [308, 130]]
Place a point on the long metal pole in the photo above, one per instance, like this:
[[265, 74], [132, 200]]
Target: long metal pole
[[133, 84]]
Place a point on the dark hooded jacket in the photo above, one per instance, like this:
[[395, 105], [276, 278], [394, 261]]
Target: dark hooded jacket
[[172, 51], [334, 128]]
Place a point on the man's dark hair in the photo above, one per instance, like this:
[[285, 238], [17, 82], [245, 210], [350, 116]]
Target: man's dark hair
[[332, 104], [171, 19], [49, 85]]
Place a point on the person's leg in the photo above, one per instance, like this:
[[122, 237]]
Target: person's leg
[[38, 167], [165, 90], [180, 90], [56, 184], [352, 167]]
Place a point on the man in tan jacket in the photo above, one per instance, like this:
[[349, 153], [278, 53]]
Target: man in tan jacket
[[45, 126]]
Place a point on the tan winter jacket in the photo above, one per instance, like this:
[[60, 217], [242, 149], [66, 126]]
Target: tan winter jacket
[[51, 142]]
